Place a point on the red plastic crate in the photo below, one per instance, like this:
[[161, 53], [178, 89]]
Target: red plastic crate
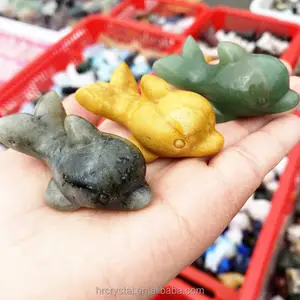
[[128, 8], [36, 76], [281, 207], [222, 17]]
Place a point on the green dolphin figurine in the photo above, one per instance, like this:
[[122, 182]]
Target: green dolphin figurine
[[240, 85]]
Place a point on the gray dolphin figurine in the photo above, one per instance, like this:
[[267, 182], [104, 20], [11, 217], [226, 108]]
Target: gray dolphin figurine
[[240, 85], [90, 169]]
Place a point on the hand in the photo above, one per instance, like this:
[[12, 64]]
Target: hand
[[45, 254]]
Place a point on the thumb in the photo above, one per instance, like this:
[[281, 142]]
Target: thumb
[[72, 107]]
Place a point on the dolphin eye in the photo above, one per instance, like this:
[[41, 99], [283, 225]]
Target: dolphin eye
[[262, 101], [90, 188], [104, 198], [12, 142], [179, 144]]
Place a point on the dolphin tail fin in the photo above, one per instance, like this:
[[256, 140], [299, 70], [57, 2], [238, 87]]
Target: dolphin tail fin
[[179, 70], [36, 134], [123, 79], [110, 100]]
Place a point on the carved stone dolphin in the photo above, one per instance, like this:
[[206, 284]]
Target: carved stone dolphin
[[90, 169], [240, 85]]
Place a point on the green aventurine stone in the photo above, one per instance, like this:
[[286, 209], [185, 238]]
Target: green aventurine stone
[[241, 85]]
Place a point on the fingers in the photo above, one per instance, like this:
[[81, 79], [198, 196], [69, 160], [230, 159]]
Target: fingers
[[235, 173], [109, 126], [233, 132], [295, 83], [72, 107], [207, 198], [236, 130], [243, 166]]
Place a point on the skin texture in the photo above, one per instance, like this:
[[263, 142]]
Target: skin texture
[[164, 122], [50, 255], [240, 85], [90, 168]]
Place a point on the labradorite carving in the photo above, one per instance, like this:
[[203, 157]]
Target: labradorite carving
[[90, 169]]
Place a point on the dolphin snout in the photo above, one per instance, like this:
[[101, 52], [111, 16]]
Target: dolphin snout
[[139, 199], [288, 102]]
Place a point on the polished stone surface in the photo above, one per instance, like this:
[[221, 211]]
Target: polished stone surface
[[240, 85], [90, 169], [164, 122]]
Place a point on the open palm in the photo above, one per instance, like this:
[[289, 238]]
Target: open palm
[[45, 254]]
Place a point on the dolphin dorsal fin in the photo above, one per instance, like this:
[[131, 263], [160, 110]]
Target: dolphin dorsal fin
[[177, 69], [79, 131], [230, 52], [123, 79], [191, 51], [50, 109]]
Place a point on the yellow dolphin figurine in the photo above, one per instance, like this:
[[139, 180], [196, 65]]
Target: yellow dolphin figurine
[[163, 121]]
